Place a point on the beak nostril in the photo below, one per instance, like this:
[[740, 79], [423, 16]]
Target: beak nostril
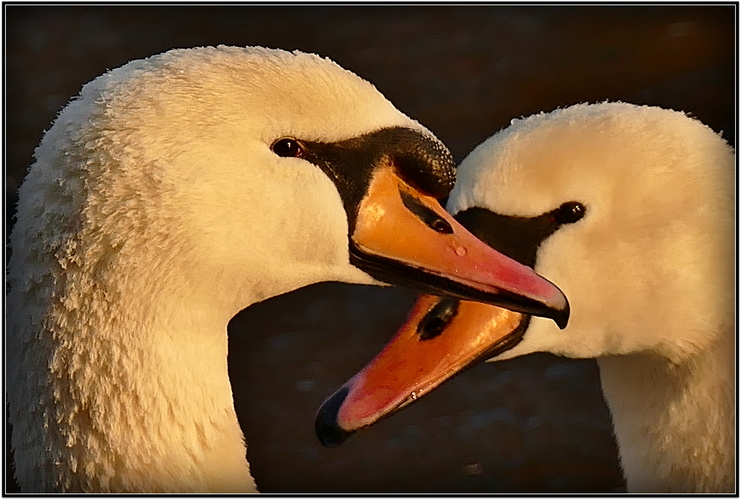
[[424, 213], [442, 226], [437, 319], [431, 328]]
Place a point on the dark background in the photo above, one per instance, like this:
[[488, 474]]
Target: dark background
[[536, 424]]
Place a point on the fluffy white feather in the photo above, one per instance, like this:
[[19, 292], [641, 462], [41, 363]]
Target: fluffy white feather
[[649, 272], [154, 212]]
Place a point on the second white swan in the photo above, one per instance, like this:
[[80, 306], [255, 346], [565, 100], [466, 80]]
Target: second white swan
[[631, 210]]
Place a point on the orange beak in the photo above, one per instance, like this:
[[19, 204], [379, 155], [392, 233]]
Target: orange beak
[[404, 236], [441, 337]]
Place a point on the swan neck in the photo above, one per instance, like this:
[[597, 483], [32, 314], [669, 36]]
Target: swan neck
[[674, 423], [137, 395]]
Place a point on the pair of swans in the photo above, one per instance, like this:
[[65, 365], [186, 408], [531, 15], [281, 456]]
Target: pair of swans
[[177, 190], [631, 210], [174, 192]]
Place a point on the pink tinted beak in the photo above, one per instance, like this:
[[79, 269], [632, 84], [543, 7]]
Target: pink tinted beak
[[404, 236], [440, 338]]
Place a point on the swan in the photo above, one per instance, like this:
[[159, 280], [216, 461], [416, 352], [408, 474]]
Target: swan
[[170, 194], [630, 209]]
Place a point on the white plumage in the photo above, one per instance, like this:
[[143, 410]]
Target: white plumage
[[649, 272], [647, 263], [154, 212]]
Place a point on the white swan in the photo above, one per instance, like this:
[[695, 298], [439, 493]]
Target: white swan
[[634, 207], [172, 193]]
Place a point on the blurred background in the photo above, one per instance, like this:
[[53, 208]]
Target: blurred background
[[535, 424]]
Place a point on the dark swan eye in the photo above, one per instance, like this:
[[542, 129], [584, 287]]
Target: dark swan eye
[[287, 148], [570, 212]]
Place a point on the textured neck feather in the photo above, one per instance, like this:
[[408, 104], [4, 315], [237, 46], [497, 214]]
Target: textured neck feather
[[131, 374], [674, 423], [117, 343]]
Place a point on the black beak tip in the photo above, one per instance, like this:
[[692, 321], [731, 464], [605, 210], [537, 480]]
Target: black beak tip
[[562, 316], [328, 431]]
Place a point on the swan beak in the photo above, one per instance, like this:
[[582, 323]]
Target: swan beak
[[403, 236], [441, 337]]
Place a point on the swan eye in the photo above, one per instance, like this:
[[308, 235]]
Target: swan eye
[[287, 148], [570, 212]]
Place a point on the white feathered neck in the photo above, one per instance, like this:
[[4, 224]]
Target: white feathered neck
[[649, 273], [674, 423], [155, 211]]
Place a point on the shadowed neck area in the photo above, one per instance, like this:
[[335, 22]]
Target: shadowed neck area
[[674, 422]]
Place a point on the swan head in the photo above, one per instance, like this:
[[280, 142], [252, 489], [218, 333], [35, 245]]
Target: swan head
[[261, 171], [630, 209], [178, 189]]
